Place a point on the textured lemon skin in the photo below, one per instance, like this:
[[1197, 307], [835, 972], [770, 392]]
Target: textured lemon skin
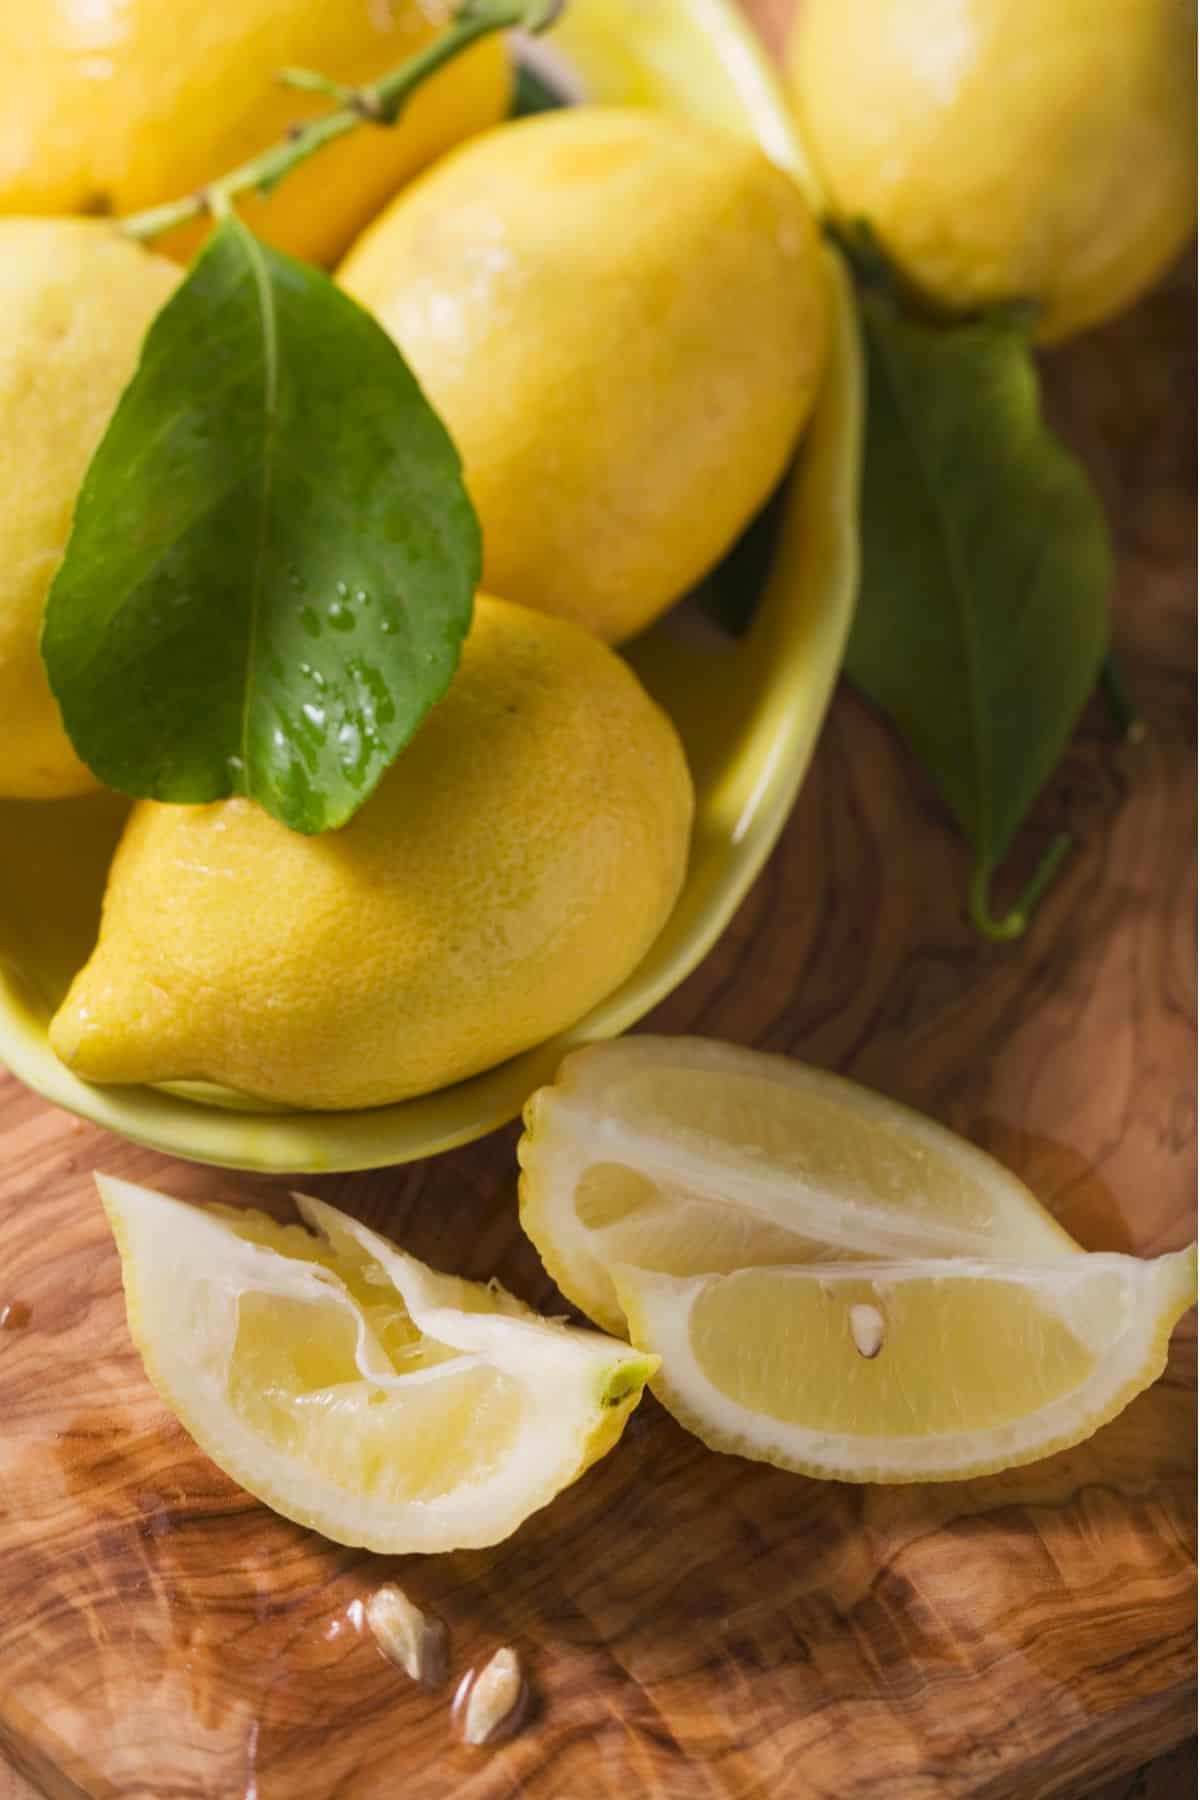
[[76, 300], [512, 867], [621, 318], [121, 104], [1007, 149]]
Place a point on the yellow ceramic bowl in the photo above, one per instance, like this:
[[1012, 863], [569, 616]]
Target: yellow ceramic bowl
[[748, 711]]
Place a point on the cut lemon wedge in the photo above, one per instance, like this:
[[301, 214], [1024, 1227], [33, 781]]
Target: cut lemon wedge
[[910, 1371], [353, 1389], [689, 1157]]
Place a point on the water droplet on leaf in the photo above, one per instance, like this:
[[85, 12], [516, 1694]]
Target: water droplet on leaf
[[350, 741]]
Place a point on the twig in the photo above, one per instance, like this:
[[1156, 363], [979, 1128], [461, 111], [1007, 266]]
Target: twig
[[377, 102]]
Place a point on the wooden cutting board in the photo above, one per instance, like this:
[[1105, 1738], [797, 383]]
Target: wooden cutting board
[[696, 1625]]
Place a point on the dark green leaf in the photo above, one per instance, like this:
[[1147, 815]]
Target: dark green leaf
[[532, 93], [273, 559], [730, 593], [982, 619]]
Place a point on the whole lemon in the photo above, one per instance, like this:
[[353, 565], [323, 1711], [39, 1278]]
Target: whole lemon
[[76, 300], [117, 105], [621, 317], [1007, 149], [512, 867]]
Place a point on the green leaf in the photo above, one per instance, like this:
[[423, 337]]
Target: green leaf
[[982, 620], [730, 592], [532, 93], [273, 558]]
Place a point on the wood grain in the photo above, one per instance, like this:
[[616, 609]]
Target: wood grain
[[697, 1626]]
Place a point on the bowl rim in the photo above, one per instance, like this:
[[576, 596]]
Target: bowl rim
[[799, 639]]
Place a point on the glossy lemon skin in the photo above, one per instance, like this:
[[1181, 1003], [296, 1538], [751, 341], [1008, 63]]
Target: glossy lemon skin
[[621, 317], [120, 104], [513, 866], [76, 300], [1007, 149]]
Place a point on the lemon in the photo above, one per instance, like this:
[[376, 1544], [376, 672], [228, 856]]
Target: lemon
[[1007, 149], [120, 104], [908, 1371], [76, 301], [621, 317], [511, 868], [353, 1389], [689, 1157]]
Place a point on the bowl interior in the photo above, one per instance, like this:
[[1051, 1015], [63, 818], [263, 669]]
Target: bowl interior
[[748, 710]]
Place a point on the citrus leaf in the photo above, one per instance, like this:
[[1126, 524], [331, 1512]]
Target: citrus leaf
[[532, 93], [982, 618], [273, 557], [730, 592]]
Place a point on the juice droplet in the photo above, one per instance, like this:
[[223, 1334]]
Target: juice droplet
[[14, 1315]]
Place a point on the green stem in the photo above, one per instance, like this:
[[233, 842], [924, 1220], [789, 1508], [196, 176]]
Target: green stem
[[1014, 922], [311, 81], [1131, 727], [378, 102]]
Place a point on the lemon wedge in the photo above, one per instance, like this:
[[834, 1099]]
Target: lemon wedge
[[689, 1157], [908, 1371], [353, 1389]]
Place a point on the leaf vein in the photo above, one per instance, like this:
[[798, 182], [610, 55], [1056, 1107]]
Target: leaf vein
[[270, 424]]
